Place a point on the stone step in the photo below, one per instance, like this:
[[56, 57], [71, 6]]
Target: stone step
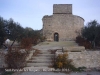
[[39, 57], [39, 61], [45, 55], [74, 48], [45, 52], [39, 64]]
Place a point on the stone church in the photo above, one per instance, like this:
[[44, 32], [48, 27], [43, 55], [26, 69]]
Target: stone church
[[62, 25]]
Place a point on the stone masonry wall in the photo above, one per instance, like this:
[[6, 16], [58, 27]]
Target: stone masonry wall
[[62, 22], [78, 22], [47, 22], [62, 8], [89, 59], [63, 25]]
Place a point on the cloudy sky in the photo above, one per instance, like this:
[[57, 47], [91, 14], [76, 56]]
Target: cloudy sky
[[29, 13]]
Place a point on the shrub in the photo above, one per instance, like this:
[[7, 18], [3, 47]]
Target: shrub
[[79, 40], [83, 42], [35, 40], [26, 43], [87, 44], [15, 58], [62, 62]]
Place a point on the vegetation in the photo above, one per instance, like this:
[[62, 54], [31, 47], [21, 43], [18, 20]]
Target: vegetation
[[90, 35], [62, 62], [15, 59], [16, 56], [14, 31], [26, 43], [83, 42]]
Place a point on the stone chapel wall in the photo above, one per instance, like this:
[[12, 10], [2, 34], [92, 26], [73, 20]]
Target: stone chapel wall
[[62, 22]]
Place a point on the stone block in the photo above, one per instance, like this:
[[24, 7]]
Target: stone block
[[62, 9], [74, 49]]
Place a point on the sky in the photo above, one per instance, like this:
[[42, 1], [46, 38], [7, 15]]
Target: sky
[[29, 13]]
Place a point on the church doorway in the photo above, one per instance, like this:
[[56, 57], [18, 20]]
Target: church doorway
[[56, 37]]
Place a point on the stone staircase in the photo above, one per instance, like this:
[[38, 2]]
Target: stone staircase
[[43, 59]]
